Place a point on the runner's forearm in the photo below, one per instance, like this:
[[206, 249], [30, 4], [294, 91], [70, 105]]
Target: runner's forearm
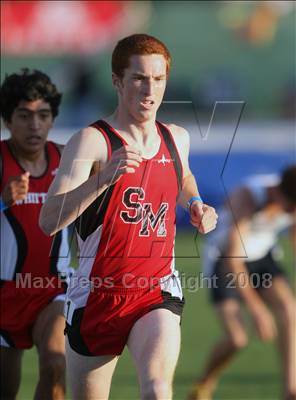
[[189, 189]]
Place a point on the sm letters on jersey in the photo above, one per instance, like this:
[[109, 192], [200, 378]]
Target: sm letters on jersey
[[143, 213]]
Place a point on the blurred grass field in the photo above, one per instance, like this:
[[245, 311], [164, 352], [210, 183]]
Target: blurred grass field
[[254, 374]]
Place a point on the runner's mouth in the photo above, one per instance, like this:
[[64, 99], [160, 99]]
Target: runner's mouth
[[34, 139], [147, 104]]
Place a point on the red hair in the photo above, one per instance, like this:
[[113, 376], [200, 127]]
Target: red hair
[[137, 44]]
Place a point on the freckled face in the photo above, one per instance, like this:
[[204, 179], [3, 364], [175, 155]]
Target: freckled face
[[143, 85]]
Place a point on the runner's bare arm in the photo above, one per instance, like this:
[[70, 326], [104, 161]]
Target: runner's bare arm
[[74, 187], [242, 207], [60, 147], [202, 216], [189, 185]]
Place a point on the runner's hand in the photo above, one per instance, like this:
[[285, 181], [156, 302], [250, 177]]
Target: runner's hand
[[203, 217], [123, 161], [15, 189]]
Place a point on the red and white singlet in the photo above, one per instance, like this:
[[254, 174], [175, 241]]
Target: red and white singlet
[[24, 247], [126, 242]]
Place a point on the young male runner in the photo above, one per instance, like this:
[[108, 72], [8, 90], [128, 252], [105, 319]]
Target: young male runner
[[122, 176], [31, 293], [241, 254]]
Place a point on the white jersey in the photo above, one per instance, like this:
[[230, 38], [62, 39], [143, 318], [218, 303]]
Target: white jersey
[[262, 235]]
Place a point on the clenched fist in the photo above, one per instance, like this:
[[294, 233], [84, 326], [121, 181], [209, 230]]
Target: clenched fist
[[123, 161], [203, 217], [15, 189]]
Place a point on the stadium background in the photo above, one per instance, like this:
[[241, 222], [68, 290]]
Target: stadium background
[[237, 55]]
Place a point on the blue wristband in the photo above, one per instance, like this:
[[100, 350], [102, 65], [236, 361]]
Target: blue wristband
[[194, 198], [3, 206]]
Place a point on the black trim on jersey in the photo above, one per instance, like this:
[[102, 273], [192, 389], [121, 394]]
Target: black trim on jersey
[[115, 141], [55, 253], [21, 240], [7, 338], [74, 336], [173, 152], [19, 165], [93, 216]]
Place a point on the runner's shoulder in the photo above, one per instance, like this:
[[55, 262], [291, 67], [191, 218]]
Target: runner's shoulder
[[88, 140], [179, 133]]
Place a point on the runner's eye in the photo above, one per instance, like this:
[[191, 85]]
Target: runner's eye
[[138, 78], [44, 116], [23, 116]]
